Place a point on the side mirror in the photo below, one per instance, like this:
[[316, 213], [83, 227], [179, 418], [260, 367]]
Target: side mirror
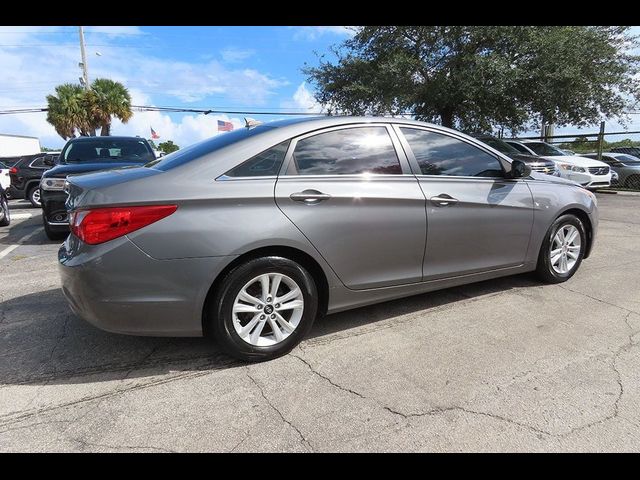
[[519, 169], [48, 161]]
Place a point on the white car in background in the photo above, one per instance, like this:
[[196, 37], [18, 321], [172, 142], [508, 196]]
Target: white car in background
[[5, 180], [588, 172]]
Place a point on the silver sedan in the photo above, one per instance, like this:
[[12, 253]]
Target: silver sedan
[[251, 235]]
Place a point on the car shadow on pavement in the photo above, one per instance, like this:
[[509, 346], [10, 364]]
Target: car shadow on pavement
[[43, 343]]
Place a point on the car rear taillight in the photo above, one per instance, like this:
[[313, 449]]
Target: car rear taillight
[[13, 170], [103, 224]]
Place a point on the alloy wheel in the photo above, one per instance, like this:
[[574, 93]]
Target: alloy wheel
[[565, 249], [267, 309]]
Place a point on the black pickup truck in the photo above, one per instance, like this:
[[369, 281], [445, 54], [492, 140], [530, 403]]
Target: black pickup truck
[[85, 155]]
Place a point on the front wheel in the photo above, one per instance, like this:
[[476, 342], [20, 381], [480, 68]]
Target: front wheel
[[34, 197], [562, 250], [263, 308]]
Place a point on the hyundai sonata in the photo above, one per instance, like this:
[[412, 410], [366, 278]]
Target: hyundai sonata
[[251, 235]]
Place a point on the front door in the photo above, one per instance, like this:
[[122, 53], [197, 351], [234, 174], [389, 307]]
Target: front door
[[353, 196], [477, 220]]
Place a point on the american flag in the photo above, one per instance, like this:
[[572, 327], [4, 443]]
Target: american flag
[[224, 126], [154, 135]]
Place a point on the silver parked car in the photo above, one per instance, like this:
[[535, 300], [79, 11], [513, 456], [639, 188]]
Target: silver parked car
[[625, 165], [251, 235]]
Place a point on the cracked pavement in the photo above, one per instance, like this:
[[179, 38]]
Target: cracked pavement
[[504, 365]]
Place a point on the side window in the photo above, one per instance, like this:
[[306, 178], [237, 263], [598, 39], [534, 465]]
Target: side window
[[439, 154], [264, 164], [347, 151], [38, 163]]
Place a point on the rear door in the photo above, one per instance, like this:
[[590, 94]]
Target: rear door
[[351, 192], [477, 220]]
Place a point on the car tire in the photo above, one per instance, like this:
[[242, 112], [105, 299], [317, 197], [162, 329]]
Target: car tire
[[231, 328], [52, 234], [5, 215], [550, 268], [33, 195]]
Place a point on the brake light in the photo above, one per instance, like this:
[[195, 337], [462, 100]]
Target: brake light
[[13, 170], [103, 224]]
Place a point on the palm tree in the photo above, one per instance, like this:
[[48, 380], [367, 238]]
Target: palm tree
[[109, 99], [68, 111]]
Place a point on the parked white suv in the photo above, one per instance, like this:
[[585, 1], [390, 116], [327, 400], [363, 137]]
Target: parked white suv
[[588, 172]]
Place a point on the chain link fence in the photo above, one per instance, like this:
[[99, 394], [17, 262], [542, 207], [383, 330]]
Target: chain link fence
[[621, 154]]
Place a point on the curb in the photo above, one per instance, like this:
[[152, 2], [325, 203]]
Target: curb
[[619, 192]]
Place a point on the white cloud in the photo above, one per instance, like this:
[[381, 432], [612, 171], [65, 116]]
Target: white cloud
[[236, 55], [27, 75], [314, 32], [302, 100]]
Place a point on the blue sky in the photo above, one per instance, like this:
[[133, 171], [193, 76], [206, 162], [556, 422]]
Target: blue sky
[[244, 68]]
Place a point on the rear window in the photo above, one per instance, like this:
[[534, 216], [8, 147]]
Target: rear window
[[106, 149], [197, 150]]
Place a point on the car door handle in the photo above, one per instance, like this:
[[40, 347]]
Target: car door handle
[[444, 200], [309, 196]]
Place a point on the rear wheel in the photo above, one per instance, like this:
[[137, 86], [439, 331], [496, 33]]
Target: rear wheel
[[562, 250], [263, 309], [33, 195], [5, 215], [633, 182]]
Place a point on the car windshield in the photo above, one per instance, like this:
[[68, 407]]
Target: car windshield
[[499, 145], [105, 149], [541, 148]]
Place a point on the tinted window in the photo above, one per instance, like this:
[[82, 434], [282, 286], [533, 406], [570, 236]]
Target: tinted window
[[499, 145], [520, 148], [39, 163], [264, 164], [439, 154], [347, 151], [628, 159], [2, 165], [106, 149]]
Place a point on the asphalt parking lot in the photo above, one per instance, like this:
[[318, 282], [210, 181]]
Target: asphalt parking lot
[[503, 365]]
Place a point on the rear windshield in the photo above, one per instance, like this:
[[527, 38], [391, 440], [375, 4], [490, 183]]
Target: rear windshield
[[105, 149], [197, 150]]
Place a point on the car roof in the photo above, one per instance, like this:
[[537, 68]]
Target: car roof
[[110, 137]]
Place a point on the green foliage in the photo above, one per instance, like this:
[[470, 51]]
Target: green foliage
[[168, 147], [108, 99], [480, 76], [47, 149], [74, 110], [581, 145]]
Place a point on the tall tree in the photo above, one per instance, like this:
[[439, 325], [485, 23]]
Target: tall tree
[[109, 99], [168, 147], [480, 76], [68, 111], [74, 110]]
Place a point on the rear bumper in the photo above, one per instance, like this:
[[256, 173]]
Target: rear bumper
[[117, 287]]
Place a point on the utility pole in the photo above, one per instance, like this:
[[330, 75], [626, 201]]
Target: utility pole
[[600, 141], [85, 70]]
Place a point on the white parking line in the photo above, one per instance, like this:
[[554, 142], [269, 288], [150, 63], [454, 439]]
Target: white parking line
[[20, 216], [11, 248]]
